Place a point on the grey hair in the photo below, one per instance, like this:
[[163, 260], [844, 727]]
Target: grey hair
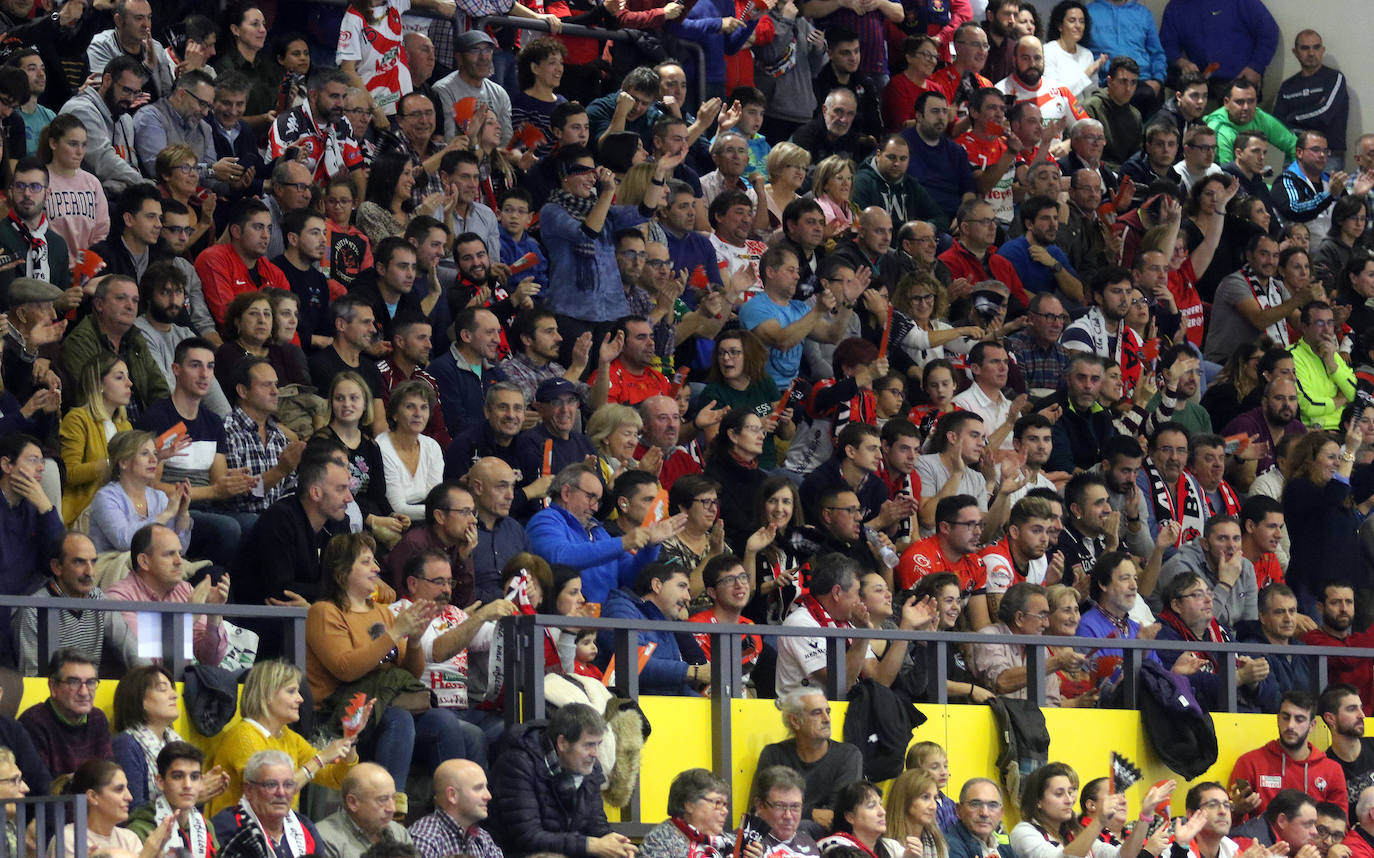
[[103, 287], [839, 92], [1016, 598], [693, 785], [642, 79], [569, 477], [263, 759], [1083, 126], [500, 387], [716, 143], [791, 703], [775, 777], [973, 782]]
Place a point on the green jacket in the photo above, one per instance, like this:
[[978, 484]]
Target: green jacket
[[143, 819], [86, 341], [1317, 390], [1188, 414], [1279, 136]]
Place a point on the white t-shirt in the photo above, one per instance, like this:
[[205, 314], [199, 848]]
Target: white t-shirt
[[800, 657], [448, 679], [378, 53]]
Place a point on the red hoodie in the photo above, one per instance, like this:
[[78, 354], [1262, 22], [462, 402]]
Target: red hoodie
[[1269, 769], [1352, 671]]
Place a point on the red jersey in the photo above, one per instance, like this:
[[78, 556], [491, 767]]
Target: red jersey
[[328, 151], [946, 82], [378, 53], [926, 558], [1181, 286], [750, 645], [680, 462], [628, 388], [1267, 570], [982, 154], [962, 263]]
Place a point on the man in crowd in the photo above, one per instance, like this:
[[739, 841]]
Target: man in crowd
[[883, 181], [411, 337], [67, 729], [1112, 107], [240, 264], [268, 790], [468, 368], [979, 811], [940, 165], [106, 111], [1240, 111], [110, 328], [255, 443], [823, 763], [460, 806], [1042, 360], [952, 547], [28, 247], [553, 443], [1278, 625], [782, 321], [631, 376], [1084, 427], [504, 412], [1041, 265], [1265, 426], [1325, 381], [777, 799], [29, 520], [449, 528], [1317, 97], [1023, 610], [499, 536], [1289, 762], [365, 818], [1218, 559], [660, 592], [1253, 301], [1336, 602], [1305, 191]]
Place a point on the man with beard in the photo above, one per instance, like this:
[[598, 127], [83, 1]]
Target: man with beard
[[1279, 624], [662, 426], [255, 442], [953, 547], [410, 347], [1084, 426], [1043, 361], [389, 287], [482, 282], [631, 375], [1290, 762], [96, 634], [468, 368], [1337, 613], [240, 264], [315, 132], [661, 592], [305, 238], [1103, 331], [729, 588], [460, 804], [1091, 527], [1218, 560], [162, 293], [1340, 707], [106, 112], [553, 443], [1027, 82], [474, 51], [1253, 301], [534, 343], [1114, 590], [883, 181], [1121, 461], [1039, 262], [178, 225], [1021, 555], [1112, 107], [499, 536], [27, 247]]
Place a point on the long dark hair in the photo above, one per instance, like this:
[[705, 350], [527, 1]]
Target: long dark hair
[[384, 178]]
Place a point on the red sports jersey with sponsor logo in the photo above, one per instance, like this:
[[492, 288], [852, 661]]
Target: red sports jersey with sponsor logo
[[926, 558], [378, 53]]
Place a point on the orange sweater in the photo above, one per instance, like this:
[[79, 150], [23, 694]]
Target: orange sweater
[[344, 646]]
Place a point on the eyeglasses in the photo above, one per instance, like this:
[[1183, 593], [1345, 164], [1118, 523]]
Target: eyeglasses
[[363, 111], [980, 221], [187, 169], [1221, 804], [979, 804], [438, 582], [981, 46], [1042, 616], [928, 55], [466, 511], [204, 105], [28, 187], [1318, 150], [594, 497], [1139, 302], [784, 807], [924, 299], [971, 525], [1203, 595], [1061, 317], [275, 786], [76, 683], [179, 230], [717, 803], [709, 503], [658, 263], [302, 187], [739, 578], [851, 510], [13, 782], [1322, 831], [734, 353]]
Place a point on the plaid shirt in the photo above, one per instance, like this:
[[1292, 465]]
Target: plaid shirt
[[1042, 366], [521, 371], [244, 448], [438, 835]]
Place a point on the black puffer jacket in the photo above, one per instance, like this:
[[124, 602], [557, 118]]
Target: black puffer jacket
[[535, 810]]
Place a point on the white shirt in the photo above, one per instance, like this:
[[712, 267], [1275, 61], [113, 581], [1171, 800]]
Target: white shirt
[[406, 491], [800, 657], [1054, 99], [1070, 68], [993, 412]]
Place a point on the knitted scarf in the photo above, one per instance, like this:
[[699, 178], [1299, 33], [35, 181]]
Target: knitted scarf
[[1189, 509], [699, 845], [36, 263], [1214, 634], [152, 745], [195, 829], [578, 207]]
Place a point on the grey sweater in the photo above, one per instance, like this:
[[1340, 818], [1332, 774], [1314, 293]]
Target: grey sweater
[[110, 152], [1229, 604]]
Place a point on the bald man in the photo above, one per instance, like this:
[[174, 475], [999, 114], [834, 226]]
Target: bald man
[[871, 247], [662, 426], [460, 805], [369, 803], [499, 537]]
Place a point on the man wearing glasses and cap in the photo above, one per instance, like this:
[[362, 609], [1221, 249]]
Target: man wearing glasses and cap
[[474, 51]]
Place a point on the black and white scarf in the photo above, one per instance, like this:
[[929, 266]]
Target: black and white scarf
[[1127, 351], [195, 828], [252, 837], [36, 260], [578, 207], [1267, 293], [1191, 508]]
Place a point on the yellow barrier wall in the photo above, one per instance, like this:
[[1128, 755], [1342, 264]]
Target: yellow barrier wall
[[681, 739]]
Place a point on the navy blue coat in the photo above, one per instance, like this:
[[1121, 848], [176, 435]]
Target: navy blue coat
[[534, 810]]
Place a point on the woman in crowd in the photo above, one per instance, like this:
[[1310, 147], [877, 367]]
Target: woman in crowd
[[145, 708], [698, 819], [411, 460], [1360, 414], [1238, 376], [540, 68], [1319, 511], [932, 758], [787, 164], [248, 325], [348, 252], [350, 419], [861, 822], [1074, 684], [911, 807], [1066, 60], [831, 185], [1345, 237], [495, 175], [270, 703], [344, 655], [386, 207], [937, 380], [62, 145], [772, 551], [105, 391], [703, 536], [919, 332], [733, 461], [246, 56], [1050, 827], [899, 96], [945, 589], [738, 380], [130, 500], [614, 431], [178, 178], [293, 55], [107, 808], [371, 53], [1355, 288]]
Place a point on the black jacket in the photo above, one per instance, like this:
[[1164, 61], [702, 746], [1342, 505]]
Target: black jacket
[[535, 809], [1077, 437]]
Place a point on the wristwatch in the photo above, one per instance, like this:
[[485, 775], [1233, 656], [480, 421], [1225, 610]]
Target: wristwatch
[[1057, 267]]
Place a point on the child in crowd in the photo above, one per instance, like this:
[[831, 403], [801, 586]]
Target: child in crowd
[[515, 216], [586, 654]]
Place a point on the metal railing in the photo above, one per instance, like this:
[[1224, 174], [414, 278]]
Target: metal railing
[[173, 634], [49, 814]]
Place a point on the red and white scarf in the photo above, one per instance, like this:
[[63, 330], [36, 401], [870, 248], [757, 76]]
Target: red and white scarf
[[699, 845]]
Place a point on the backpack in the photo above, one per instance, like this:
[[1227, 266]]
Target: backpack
[[1025, 742]]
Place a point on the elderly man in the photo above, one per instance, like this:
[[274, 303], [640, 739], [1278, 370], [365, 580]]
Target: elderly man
[[833, 131], [93, 632], [265, 812], [1023, 610], [547, 790], [155, 560], [1278, 624], [1084, 235], [1087, 141], [1217, 558], [661, 427], [1042, 360], [553, 443], [110, 328], [67, 729], [777, 800], [824, 764], [980, 816], [567, 532], [365, 818], [460, 806]]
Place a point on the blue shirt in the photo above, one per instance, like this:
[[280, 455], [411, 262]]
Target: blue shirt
[[511, 250], [1034, 276], [1233, 34], [584, 280], [783, 366], [943, 170], [1127, 30]]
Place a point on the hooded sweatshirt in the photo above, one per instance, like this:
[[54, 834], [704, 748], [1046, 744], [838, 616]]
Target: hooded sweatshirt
[[903, 199], [1269, 769]]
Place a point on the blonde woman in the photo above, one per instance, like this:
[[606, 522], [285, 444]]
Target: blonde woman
[[831, 185], [178, 178], [85, 433], [633, 188], [787, 164], [614, 430], [130, 500], [911, 809]]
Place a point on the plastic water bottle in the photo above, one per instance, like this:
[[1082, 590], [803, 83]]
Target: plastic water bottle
[[889, 557]]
